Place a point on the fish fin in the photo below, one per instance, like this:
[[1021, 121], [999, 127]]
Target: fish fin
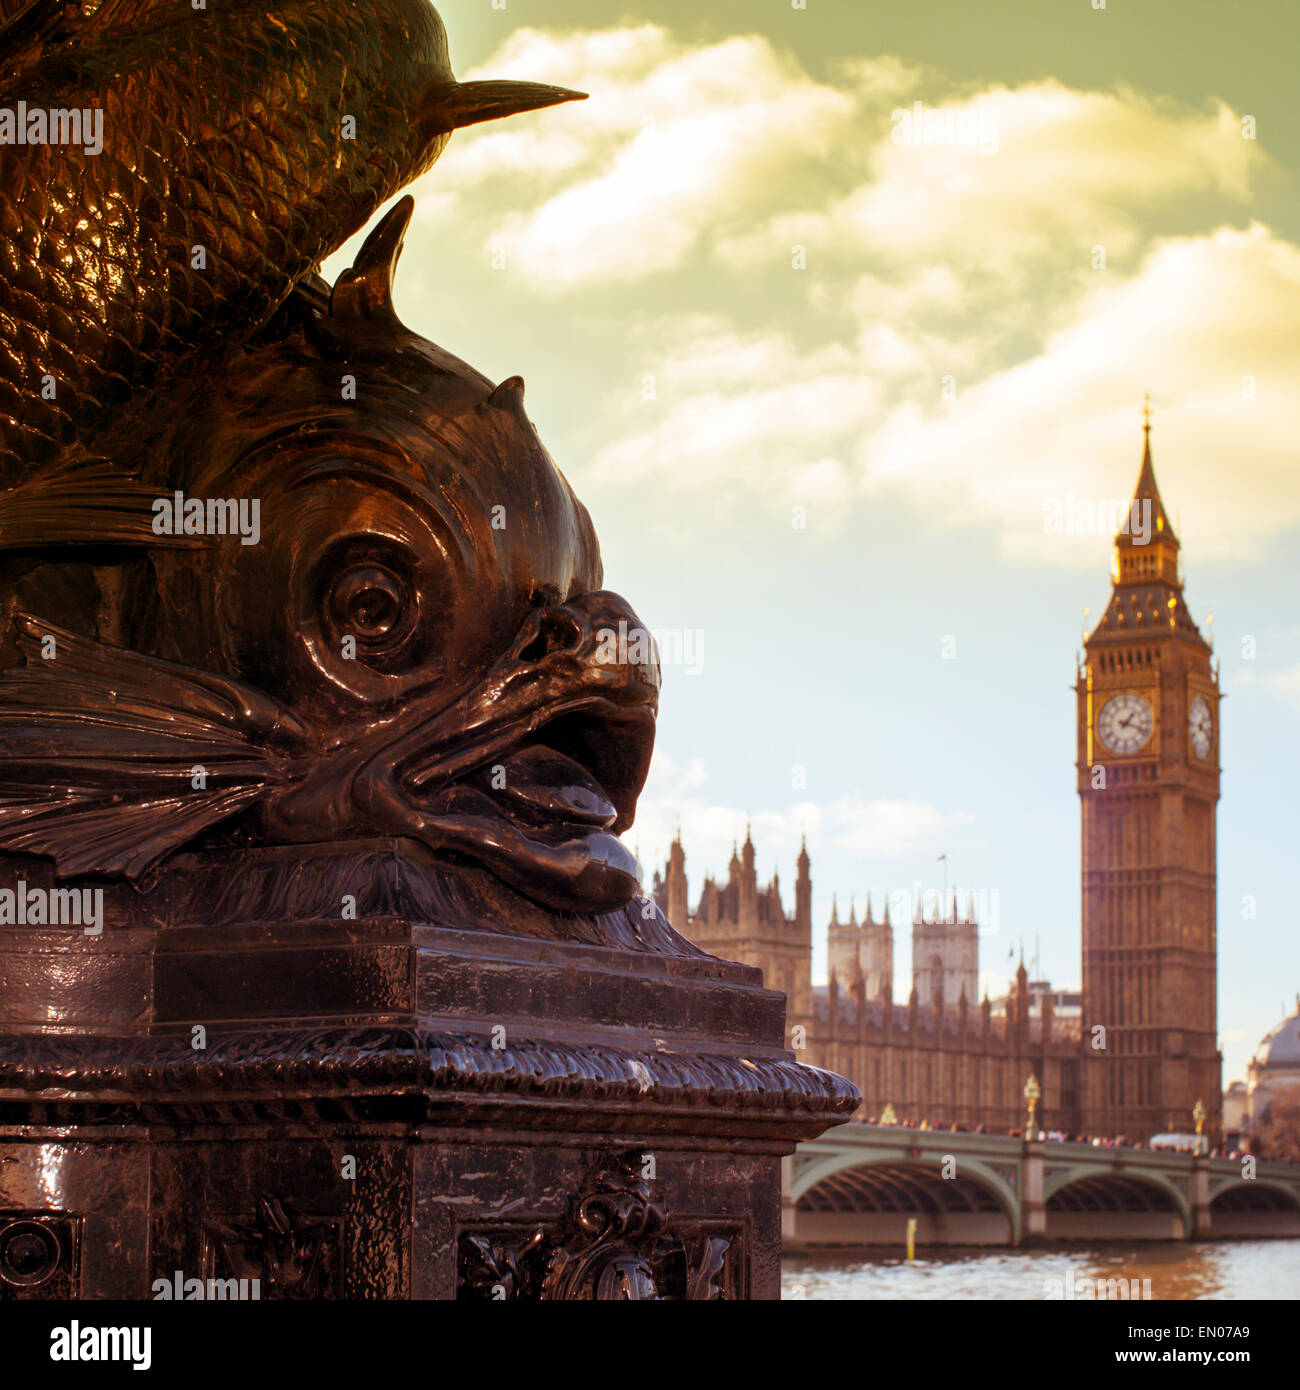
[[509, 395], [109, 837], [94, 504], [100, 749], [365, 291]]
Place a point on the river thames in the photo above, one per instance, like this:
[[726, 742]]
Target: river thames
[[1176, 1269]]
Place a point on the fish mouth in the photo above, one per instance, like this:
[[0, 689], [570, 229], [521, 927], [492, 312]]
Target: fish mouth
[[535, 773], [583, 766]]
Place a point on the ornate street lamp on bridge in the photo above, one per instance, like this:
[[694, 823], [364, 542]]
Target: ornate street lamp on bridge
[[1032, 1092]]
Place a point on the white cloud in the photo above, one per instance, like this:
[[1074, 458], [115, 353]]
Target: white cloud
[[674, 142], [676, 797], [696, 168], [1201, 319], [753, 413], [749, 409], [1070, 169], [890, 829], [734, 148]]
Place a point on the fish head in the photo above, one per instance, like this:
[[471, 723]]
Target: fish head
[[424, 593]]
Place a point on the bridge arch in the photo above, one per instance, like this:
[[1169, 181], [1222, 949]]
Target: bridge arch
[[1254, 1207], [1083, 1201], [866, 1198], [1289, 1192]]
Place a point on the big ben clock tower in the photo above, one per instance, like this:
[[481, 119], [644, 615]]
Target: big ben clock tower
[[1148, 768]]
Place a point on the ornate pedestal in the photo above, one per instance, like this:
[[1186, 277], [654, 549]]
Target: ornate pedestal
[[232, 1083]]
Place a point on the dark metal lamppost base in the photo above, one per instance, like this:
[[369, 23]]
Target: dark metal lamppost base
[[306, 1108]]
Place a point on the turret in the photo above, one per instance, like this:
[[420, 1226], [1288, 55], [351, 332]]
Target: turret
[[1020, 997], [803, 892], [678, 909], [945, 952], [748, 884]]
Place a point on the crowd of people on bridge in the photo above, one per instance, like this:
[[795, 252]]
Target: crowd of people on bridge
[[1056, 1136]]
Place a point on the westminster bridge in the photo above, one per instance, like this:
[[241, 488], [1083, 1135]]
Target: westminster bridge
[[861, 1184]]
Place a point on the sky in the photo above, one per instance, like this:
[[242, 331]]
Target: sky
[[823, 365]]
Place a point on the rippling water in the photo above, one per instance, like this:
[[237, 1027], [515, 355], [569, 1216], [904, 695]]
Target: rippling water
[[1177, 1269]]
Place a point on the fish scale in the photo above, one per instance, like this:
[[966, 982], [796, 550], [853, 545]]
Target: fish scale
[[222, 130]]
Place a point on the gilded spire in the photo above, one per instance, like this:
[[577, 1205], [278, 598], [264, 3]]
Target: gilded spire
[[1147, 594], [1146, 526]]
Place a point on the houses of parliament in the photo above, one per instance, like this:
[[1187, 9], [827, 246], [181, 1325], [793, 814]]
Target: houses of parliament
[[1134, 1052]]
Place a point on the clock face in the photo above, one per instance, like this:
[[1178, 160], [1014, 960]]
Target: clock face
[[1125, 723], [1200, 727]]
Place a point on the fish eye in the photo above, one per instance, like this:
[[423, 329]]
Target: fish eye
[[379, 586], [376, 606], [370, 601]]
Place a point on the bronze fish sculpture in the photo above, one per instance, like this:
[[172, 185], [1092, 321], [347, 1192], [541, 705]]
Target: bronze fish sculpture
[[415, 643], [238, 145], [418, 645]]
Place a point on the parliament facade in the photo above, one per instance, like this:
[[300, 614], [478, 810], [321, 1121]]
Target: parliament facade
[[1139, 1050]]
